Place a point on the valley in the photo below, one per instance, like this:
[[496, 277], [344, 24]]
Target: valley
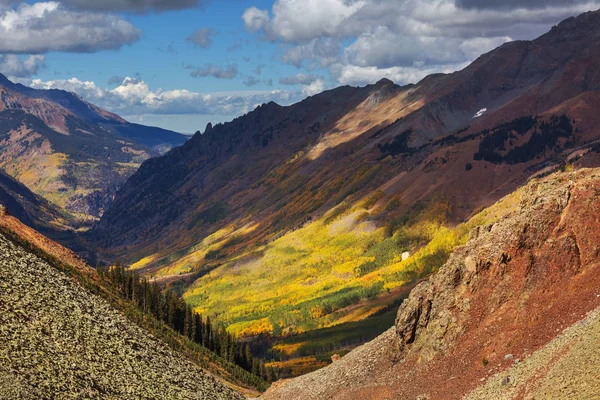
[[71, 152], [431, 240], [298, 241]]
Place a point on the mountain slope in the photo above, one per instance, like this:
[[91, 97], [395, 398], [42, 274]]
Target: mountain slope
[[28, 207], [69, 151], [304, 217], [155, 138], [59, 340], [492, 311]]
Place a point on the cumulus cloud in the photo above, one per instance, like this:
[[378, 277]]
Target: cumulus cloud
[[362, 41], [202, 37], [214, 71], [135, 6], [14, 67], [255, 19], [48, 26], [133, 97]]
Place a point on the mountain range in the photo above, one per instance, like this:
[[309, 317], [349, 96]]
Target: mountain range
[[295, 218], [71, 152]]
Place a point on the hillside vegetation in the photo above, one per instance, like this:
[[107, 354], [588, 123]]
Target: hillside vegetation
[[331, 271]]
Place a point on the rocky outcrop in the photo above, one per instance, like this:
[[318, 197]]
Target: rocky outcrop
[[515, 294], [438, 310], [59, 341]]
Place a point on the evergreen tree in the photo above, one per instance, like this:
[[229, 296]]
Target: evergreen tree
[[248, 357], [199, 329]]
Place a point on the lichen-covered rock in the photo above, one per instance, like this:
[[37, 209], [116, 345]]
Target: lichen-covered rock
[[59, 341]]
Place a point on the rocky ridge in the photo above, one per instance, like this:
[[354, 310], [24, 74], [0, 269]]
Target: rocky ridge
[[59, 341]]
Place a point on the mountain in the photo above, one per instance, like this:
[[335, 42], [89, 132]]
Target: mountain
[[69, 151], [156, 138], [295, 221], [515, 313]]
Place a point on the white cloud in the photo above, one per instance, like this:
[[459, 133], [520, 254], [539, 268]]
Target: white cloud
[[48, 26], [313, 88], [298, 21], [255, 19], [14, 67], [133, 97], [362, 41]]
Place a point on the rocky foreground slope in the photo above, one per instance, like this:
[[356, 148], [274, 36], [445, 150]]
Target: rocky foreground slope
[[513, 314], [57, 340]]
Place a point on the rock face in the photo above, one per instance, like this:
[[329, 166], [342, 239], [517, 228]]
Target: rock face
[[59, 341], [502, 298]]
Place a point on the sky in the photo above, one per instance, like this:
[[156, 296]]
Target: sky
[[180, 64]]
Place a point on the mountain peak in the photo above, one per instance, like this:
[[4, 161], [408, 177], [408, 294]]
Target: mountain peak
[[4, 80], [384, 81], [587, 24]]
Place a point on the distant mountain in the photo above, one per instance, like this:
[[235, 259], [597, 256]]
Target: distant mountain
[[158, 139], [295, 218], [69, 151]]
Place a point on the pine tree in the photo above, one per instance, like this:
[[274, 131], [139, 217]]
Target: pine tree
[[207, 340], [171, 310], [198, 330], [248, 357], [189, 326]]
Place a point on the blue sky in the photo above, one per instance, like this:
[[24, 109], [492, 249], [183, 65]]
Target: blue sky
[[134, 58], [160, 67]]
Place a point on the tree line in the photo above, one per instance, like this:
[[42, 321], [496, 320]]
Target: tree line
[[168, 308]]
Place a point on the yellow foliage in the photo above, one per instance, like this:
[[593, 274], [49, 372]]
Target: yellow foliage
[[308, 278], [143, 262]]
